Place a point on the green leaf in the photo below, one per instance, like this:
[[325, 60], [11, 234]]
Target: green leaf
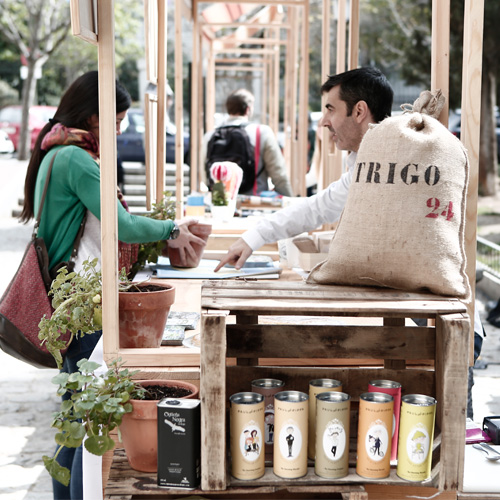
[[59, 473], [99, 445]]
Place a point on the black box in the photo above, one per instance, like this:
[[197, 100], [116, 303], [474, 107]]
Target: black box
[[491, 425], [179, 443]]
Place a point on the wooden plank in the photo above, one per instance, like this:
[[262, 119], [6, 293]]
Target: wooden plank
[[212, 391], [338, 292], [83, 20], [452, 341], [296, 306], [331, 341]]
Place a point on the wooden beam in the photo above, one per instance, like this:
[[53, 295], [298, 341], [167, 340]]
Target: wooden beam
[[470, 130], [107, 140], [354, 35], [162, 100], [179, 114], [440, 53], [195, 138]]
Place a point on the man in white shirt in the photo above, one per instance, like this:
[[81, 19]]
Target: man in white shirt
[[354, 100]]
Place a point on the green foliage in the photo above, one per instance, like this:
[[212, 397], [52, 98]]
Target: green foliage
[[77, 308], [149, 252], [95, 407], [219, 195]]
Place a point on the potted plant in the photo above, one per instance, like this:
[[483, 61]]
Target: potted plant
[[77, 303], [97, 405], [149, 252], [227, 177]]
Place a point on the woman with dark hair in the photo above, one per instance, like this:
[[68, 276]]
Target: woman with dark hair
[[71, 138]]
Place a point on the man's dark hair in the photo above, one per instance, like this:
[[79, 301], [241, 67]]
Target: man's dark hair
[[367, 84], [239, 101]]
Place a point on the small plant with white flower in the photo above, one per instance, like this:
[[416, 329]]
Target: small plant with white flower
[[227, 177]]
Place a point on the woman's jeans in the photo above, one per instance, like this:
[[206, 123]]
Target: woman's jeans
[[72, 457]]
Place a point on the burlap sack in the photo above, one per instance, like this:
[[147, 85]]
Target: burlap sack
[[403, 223]]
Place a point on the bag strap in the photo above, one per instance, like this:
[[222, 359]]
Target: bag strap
[[79, 235], [257, 159]]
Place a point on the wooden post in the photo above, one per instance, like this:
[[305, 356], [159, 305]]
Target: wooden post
[[303, 100], [213, 400], [162, 98], [107, 140], [179, 119], [469, 134], [354, 35], [440, 53], [194, 138]]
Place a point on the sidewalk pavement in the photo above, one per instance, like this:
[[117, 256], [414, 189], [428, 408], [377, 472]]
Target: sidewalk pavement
[[28, 397]]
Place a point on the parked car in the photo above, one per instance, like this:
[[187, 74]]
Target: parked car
[[130, 144], [6, 145], [455, 125], [10, 121]]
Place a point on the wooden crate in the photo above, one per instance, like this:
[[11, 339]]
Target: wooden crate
[[386, 337]]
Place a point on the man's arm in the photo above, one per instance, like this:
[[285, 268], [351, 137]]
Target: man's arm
[[306, 215]]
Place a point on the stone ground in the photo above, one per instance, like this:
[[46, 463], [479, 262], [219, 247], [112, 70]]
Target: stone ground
[[28, 398]]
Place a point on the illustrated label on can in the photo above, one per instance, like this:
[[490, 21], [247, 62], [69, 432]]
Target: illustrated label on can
[[332, 434], [416, 435], [246, 435], [268, 387], [317, 386], [374, 435], [394, 389], [290, 438]]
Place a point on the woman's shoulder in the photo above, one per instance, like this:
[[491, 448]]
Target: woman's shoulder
[[72, 152]]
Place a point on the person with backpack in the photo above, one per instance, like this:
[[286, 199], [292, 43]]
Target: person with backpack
[[250, 145]]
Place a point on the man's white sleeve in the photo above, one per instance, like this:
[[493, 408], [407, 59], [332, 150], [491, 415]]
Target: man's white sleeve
[[306, 215]]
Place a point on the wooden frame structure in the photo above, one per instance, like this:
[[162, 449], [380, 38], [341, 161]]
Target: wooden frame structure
[[105, 43], [103, 37]]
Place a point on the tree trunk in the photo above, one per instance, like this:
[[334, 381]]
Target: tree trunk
[[28, 96], [488, 162]]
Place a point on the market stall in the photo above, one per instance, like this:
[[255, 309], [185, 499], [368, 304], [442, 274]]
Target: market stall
[[441, 360]]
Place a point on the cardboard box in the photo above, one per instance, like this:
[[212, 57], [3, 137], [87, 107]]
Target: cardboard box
[[309, 255]]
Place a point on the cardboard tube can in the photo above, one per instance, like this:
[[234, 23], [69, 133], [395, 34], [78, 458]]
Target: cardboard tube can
[[332, 434], [268, 387], [290, 437], [374, 435], [246, 435], [317, 386], [394, 389], [416, 435]]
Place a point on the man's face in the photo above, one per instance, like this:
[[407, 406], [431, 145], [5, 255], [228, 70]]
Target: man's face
[[345, 130]]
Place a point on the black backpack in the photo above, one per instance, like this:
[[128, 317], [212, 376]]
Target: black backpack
[[231, 143]]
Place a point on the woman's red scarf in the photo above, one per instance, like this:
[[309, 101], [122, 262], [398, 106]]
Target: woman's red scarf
[[60, 135]]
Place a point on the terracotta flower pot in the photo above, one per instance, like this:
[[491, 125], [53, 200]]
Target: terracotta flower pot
[[202, 231], [139, 429], [143, 315]]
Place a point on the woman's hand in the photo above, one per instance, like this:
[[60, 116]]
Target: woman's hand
[[185, 241]]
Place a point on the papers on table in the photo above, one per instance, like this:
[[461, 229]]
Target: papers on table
[[205, 270]]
